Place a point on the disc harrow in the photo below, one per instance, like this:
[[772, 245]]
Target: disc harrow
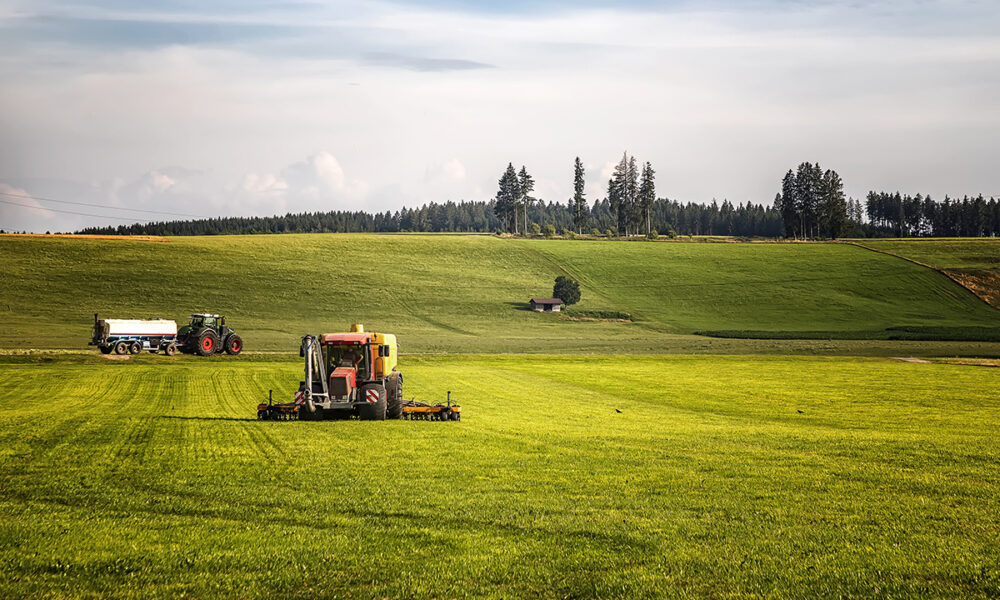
[[420, 411], [413, 410]]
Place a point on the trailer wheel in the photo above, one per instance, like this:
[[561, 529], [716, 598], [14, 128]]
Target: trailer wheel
[[170, 349], [121, 348], [394, 396], [373, 411], [105, 349], [135, 348], [234, 344], [208, 343]]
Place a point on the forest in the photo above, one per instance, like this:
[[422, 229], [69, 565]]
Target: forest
[[810, 205]]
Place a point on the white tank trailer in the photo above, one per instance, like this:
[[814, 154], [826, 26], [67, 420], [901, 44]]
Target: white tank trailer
[[132, 336]]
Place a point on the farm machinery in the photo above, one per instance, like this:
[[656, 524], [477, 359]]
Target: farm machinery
[[205, 335], [353, 374], [132, 336], [208, 334]]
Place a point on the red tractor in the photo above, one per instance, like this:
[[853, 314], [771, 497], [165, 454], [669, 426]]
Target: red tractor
[[349, 374], [353, 374]]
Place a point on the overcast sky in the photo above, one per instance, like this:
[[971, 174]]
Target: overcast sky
[[256, 107]]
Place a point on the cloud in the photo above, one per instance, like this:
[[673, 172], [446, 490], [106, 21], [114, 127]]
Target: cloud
[[20, 212], [421, 63], [722, 97], [448, 171]]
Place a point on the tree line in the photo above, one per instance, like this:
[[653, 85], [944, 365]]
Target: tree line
[[894, 214], [667, 217], [810, 204]]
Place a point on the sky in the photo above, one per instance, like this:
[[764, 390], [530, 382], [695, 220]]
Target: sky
[[123, 111]]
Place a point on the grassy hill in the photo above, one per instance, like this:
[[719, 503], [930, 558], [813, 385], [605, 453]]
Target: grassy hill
[[468, 293], [568, 477], [973, 262]]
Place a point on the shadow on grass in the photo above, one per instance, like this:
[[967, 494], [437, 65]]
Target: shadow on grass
[[206, 418], [519, 305]]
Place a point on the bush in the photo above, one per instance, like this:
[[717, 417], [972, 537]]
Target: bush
[[611, 232], [535, 229], [596, 232], [652, 235], [549, 230], [567, 233], [566, 290]]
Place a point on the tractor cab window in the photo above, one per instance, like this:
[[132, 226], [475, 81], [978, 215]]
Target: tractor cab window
[[199, 322], [343, 355]]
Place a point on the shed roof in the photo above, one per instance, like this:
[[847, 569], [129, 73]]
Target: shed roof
[[546, 300]]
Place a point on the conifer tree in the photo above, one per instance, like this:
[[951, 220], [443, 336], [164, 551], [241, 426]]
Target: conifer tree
[[834, 206], [789, 204], [579, 201], [526, 185], [618, 194], [632, 195], [647, 194], [507, 198]]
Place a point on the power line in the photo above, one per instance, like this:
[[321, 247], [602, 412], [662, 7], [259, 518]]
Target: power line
[[70, 212], [157, 212]]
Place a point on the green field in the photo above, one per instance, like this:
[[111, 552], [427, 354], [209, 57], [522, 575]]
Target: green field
[[719, 477], [973, 262], [596, 458], [468, 293]]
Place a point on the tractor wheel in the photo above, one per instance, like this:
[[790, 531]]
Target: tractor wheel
[[234, 344], [170, 349], [373, 411], [394, 396], [135, 348], [105, 349], [208, 343], [121, 348]]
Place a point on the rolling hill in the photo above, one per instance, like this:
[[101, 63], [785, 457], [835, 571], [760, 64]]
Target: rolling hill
[[468, 293]]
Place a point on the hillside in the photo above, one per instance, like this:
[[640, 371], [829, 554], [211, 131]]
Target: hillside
[[973, 262], [467, 293]]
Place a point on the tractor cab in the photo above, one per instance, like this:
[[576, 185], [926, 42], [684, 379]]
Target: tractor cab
[[354, 371]]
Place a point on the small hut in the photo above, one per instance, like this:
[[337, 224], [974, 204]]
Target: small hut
[[546, 304]]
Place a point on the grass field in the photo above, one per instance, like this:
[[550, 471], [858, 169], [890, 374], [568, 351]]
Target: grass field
[[719, 477], [468, 293], [973, 262]]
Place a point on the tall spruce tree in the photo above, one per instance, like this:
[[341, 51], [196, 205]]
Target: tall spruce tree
[[834, 205], [789, 204], [526, 185], [632, 195], [507, 198], [618, 194], [808, 181], [579, 201], [647, 194]]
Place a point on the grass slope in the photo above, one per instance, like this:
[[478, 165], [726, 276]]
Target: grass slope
[[468, 293], [720, 476], [973, 262], [774, 290]]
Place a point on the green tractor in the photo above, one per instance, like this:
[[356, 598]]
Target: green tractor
[[208, 334]]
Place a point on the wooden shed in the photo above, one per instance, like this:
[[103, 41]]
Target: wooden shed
[[546, 304]]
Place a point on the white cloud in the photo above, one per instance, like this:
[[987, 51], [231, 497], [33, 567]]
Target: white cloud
[[448, 171], [20, 212], [721, 100]]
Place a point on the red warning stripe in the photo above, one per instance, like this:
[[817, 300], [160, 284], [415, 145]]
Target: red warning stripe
[[371, 395]]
